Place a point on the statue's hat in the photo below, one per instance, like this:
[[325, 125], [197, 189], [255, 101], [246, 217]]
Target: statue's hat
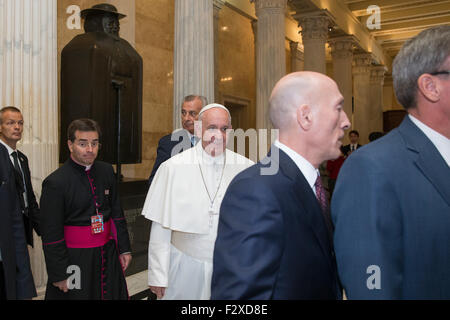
[[102, 8]]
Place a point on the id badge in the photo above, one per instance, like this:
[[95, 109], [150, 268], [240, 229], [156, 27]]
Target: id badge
[[97, 224]]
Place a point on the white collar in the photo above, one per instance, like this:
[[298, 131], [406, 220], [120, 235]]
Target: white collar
[[441, 142], [10, 150], [207, 158], [307, 169]]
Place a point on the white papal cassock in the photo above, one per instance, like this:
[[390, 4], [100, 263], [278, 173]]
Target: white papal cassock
[[184, 223]]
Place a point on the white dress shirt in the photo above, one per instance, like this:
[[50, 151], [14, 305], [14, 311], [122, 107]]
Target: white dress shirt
[[441, 143], [307, 169]]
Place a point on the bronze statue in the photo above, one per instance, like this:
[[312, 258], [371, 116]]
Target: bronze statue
[[93, 65]]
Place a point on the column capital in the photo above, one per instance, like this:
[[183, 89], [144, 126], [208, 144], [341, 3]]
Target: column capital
[[377, 74], [314, 26], [293, 45], [342, 47], [362, 63], [269, 5]]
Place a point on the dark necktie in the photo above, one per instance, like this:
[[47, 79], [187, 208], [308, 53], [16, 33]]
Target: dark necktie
[[16, 164], [19, 179], [323, 202]]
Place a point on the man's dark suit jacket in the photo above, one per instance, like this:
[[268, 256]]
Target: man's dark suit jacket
[[16, 261], [31, 216], [346, 148], [391, 211], [168, 146], [272, 240]]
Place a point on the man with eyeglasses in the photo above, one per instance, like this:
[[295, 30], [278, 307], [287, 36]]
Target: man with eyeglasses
[[84, 232], [19, 210], [183, 139], [391, 205]]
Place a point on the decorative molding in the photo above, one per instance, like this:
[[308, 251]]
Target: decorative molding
[[315, 27], [217, 6], [269, 7], [377, 75]]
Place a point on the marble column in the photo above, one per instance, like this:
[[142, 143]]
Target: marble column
[[361, 94], [314, 34], [270, 54], [193, 52], [296, 57], [217, 6], [376, 98], [28, 80], [342, 55]]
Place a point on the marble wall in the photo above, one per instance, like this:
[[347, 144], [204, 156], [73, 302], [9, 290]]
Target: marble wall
[[155, 43], [237, 61]]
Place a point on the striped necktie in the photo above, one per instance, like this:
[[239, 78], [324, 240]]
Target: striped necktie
[[323, 202]]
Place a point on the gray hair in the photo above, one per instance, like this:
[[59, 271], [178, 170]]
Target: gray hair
[[425, 53], [192, 97]]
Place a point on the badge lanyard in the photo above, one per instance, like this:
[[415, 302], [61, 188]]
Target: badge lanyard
[[96, 221]]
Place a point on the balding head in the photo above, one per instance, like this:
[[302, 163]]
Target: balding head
[[290, 92], [306, 107]]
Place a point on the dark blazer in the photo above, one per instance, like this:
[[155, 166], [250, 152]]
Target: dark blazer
[[391, 210], [31, 216], [16, 261], [346, 148], [272, 240], [168, 146]]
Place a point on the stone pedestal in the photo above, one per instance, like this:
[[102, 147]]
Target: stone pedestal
[[361, 93], [270, 54], [376, 98], [28, 81], [342, 54], [193, 52], [314, 34]]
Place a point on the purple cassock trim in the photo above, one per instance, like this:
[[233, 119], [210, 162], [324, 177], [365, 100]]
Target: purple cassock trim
[[50, 243]]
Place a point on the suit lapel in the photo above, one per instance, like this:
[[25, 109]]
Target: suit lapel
[[307, 200], [25, 169], [428, 159]]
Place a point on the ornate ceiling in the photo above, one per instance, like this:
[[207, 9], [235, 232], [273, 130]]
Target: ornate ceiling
[[401, 19]]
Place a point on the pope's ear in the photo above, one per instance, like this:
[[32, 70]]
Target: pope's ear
[[304, 116]]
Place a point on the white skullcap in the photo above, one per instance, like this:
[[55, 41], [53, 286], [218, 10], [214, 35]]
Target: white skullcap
[[214, 105]]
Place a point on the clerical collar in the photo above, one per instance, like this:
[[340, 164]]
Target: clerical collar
[[206, 157], [79, 166]]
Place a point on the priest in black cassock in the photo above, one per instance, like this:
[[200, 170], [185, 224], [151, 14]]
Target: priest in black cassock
[[84, 232]]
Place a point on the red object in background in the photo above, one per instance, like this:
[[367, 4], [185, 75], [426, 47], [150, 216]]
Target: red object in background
[[333, 167]]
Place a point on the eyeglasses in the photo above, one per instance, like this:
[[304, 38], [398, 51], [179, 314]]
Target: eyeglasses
[[439, 72], [85, 144]]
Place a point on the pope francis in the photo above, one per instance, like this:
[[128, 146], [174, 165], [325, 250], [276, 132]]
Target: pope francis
[[183, 204]]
